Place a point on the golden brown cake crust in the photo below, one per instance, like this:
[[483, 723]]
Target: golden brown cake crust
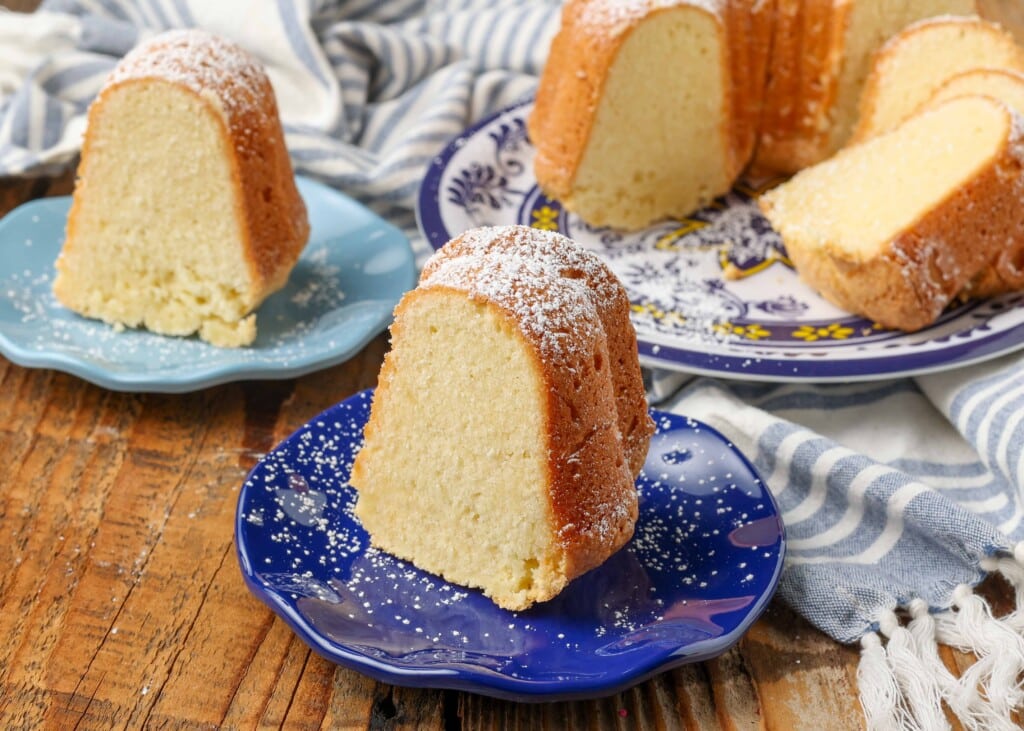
[[1006, 273], [598, 425], [236, 89], [971, 243], [801, 84], [803, 93], [573, 318], [751, 61]]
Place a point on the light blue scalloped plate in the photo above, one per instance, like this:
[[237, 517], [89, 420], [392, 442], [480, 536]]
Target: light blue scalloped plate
[[340, 295]]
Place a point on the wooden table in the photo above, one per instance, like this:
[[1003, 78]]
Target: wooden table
[[122, 604]]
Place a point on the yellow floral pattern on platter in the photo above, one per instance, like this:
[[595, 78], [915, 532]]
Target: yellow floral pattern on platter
[[668, 242], [545, 218], [835, 331], [673, 240], [653, 311], [734, 272], [747, 332]]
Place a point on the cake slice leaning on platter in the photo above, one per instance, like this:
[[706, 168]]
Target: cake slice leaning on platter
[[1003, 84], [914, 63], [897, 227]]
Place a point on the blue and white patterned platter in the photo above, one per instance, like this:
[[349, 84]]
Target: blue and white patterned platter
[[714, 293], [703, 563], [340, 294]]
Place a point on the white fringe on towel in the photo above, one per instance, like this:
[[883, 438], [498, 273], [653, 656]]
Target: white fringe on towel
[[919, 687], [1000, 650], [904, 682], [880, 695], [969, 708]]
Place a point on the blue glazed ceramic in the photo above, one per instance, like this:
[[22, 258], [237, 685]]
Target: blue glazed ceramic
[[713, 293], [340, 295], [703, 563]]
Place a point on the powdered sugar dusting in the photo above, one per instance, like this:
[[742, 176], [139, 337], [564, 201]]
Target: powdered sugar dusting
[[200, 61], [615, 16], [704, 557], [552, 286]]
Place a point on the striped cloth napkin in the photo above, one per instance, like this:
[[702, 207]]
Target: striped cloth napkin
[[898, 496]]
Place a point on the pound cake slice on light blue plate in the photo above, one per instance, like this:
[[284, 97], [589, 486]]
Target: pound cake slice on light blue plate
[[185, 215]]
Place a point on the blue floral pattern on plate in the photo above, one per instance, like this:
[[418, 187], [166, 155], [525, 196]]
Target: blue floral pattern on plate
[[340, 294], [702, 565], [713, 293]]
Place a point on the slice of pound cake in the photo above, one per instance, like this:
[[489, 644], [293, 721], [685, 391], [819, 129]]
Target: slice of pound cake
[[896, 227], [1006, 274], [914, 63], [510, 419], [1002, 84], [185, 215]]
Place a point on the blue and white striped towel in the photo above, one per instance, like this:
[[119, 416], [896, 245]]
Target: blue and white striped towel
[[368, 91], [898, 496]]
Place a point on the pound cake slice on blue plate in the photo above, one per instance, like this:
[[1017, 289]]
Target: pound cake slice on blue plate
[[510, 419]]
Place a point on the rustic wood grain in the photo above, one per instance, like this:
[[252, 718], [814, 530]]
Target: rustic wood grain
[[122, 604]]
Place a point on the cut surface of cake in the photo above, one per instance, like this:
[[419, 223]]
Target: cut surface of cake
[[647, 109], [896, 227], [1003, 84], [821, 54], [510, 420], [185, 215], [913, 64]]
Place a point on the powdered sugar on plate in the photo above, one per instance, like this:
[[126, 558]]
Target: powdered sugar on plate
[[701, 566]]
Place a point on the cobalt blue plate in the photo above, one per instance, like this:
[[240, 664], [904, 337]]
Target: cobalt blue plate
[[340, 294], [702, 565]]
